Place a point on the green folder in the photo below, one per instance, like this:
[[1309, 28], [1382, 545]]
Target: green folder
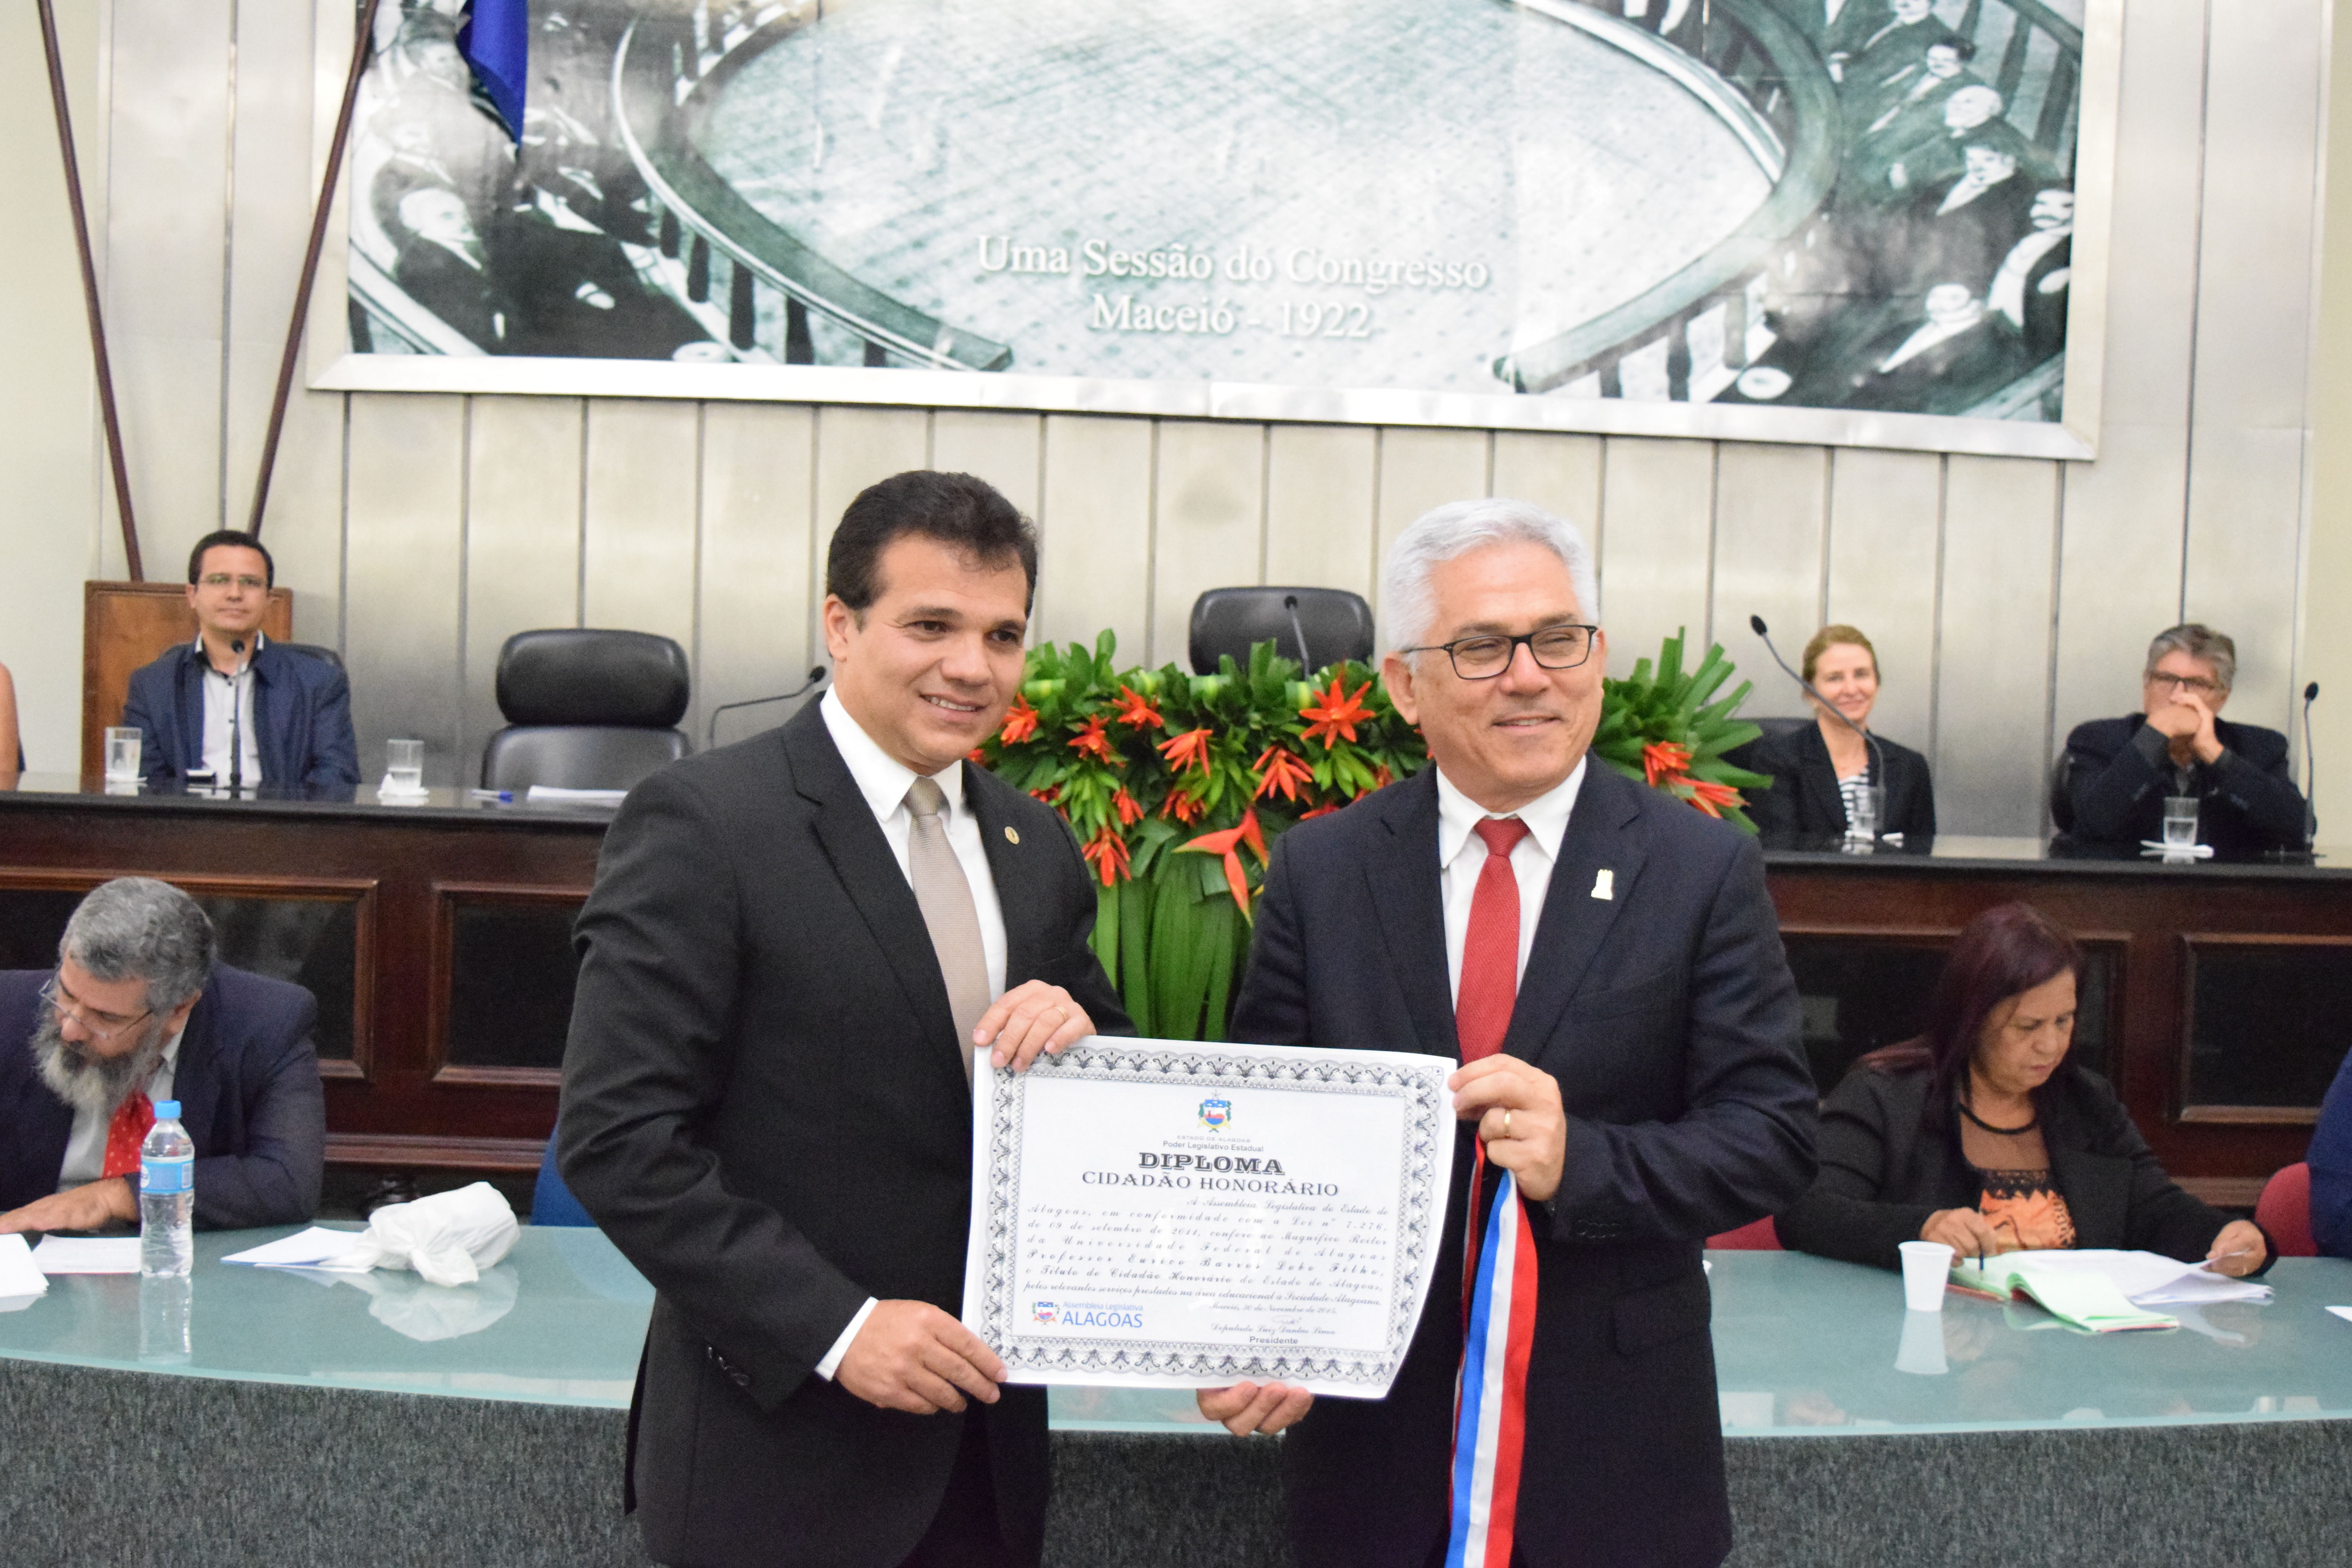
[[2084, 1301]]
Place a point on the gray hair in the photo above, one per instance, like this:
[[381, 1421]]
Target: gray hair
[[1408, 604], [135, 927], [2198, 642]]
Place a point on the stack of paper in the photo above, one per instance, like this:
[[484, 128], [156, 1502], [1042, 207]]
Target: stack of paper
[[557, 794], [87, 1254], [21, 1282], [317, 1248]]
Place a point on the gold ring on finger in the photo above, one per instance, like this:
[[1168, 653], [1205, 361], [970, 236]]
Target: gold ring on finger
[[1506, 1122]]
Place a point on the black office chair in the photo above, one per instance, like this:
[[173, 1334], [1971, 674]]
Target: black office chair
[[315, 650], [1337, 624], [2062, 792], [586, 710], [1774, 728]]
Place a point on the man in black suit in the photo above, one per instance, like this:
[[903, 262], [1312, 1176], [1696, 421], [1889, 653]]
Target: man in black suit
[[2119, 771], [139, 1011], [1648, 1090], [235, 702], [793, 946]]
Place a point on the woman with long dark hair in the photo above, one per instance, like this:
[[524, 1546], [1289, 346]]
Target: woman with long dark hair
[[1982, 1135]]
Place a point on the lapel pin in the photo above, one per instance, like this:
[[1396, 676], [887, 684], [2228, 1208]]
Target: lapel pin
[[1604, 883], [1011, 836]]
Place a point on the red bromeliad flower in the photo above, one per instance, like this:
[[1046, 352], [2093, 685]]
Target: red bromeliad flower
[[1281, 770], [1663, 760], [1382, 777], [1223, 843], [1020, 722], [1184, 807], [1137, 710], [1190, 749], [1709, 797], [1091, 741], [1129, 809], [1326, 809], [1334, 717], [1108, 853], [1049, 795]]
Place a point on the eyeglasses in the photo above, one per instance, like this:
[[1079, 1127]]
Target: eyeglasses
[[106, 1027], [222, 580], [1487, 655], [2190, 683]]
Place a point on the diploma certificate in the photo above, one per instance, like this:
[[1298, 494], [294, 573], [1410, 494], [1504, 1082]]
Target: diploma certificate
[[1168, 1214]]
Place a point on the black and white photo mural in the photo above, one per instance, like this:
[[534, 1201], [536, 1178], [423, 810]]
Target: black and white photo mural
[[1817, 220]]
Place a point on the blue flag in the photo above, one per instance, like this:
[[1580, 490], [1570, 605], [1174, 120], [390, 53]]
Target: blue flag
[[496, 42]]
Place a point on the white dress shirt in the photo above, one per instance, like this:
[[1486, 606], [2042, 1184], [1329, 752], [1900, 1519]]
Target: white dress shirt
[[218, 689], [1463, 855], [884, 780], [85, 1160]]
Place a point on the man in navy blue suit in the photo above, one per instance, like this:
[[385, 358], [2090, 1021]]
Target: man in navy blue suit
[[1631, 1057], [138, 1010], [2120, 770], [232, 703]]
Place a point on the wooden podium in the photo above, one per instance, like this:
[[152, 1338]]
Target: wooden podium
[[127, 625]]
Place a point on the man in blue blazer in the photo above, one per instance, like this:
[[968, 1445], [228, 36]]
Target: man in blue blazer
[[140, 1010], [1648, 1089], [2120, 770], [252, 713]]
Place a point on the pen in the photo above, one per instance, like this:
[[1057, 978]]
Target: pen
[[503, 796]]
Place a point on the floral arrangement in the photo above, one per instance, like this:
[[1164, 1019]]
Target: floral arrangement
[[1176, 785]]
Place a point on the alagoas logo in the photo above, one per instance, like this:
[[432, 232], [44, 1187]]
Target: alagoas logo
[[1086, 1315], [1044, 1311], [1216, 1112]]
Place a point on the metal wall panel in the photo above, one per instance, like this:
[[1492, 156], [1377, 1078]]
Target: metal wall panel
[[1885, 516], [1095, 526], [1420, 469], [1319, 483], [638, 500], [1000, 447], [522, 539], [168, 186], [405, 554], [1992, 681], [1559, 473], [2253, 338], [1657, 543], [758, 463], [1209, 500], [1771, 506], [855, 448]]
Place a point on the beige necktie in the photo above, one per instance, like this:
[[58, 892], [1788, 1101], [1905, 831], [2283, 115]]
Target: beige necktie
[[946, 899]]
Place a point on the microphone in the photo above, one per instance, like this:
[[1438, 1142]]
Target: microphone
[[1878, 770], [2310, 806], [1290, 603], [710, 731], [235, 718]]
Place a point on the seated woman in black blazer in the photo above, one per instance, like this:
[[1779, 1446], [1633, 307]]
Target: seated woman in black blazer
[[1982, 1135], [1814, 767]]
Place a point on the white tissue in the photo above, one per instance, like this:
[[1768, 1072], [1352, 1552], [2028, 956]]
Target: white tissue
[[448, 1238]]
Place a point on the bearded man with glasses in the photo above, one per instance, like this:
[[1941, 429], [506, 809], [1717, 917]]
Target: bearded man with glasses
[[139, 1009], [2119, 771]]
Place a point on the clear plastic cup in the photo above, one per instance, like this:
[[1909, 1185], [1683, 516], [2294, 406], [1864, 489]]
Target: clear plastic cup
[[123, 753]]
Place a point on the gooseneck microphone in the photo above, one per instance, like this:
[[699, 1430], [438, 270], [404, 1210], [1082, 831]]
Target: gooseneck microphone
[[1877, 768], [710, 731], [237, 718], [2310, 780], [1290, 603]]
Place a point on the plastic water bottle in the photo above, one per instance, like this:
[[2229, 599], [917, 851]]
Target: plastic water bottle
[[167, 1197]]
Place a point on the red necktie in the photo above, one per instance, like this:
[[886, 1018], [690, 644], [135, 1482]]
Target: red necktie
[[1490, 952], [126, 1132]]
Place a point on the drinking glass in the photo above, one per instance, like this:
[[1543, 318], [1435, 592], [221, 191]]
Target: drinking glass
[[123, 753], [2180, 822], [1863, 815], [404, 766]]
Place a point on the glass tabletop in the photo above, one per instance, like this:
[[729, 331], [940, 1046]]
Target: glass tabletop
[[1804, 1346], [558, 1321], [1807, 1346]]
